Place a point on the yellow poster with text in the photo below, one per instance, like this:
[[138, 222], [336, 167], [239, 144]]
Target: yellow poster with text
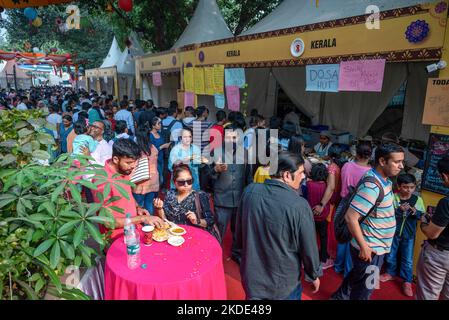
[[209, 81], [199, 81], [189, 84], [219, 78]]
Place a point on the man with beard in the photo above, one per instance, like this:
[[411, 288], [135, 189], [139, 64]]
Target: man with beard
[[125, 155], [230, 174]]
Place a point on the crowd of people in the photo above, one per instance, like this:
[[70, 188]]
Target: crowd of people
[[281, 212]]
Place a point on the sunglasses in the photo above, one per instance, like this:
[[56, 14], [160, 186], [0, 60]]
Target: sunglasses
[[181, 183]]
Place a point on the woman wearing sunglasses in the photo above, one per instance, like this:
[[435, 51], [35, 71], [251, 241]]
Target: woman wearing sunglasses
[[179, 205]]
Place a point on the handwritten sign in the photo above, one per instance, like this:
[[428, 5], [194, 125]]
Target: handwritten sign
[[219, 75], [431, 179], [323, 77], [436, 108], [220, 101], [235, 77], [157, 79], [189, 99], [199, 81], [209, 85], [362, 75], [189, 84], [233, 97]]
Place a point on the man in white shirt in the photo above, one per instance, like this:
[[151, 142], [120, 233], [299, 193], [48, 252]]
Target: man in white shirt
[[103, 152], [23, 104], [55, 119]]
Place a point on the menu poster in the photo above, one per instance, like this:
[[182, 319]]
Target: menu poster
[[436, 107], [219, 78], [233, 98], [199, 81], [157, 79], [362, 75], [189, 85], [235, 77], [209, 81], [322, 77], [431, 179], [220, 101]]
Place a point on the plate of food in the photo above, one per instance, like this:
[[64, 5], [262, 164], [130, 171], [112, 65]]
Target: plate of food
[[176, 241], [161, 235], [177, 231]]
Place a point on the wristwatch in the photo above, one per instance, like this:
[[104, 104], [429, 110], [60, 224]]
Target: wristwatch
[[321, 205]]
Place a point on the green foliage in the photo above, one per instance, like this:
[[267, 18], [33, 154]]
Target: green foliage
[[44, 220]]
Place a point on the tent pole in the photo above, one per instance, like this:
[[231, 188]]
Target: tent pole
[[15, 76]]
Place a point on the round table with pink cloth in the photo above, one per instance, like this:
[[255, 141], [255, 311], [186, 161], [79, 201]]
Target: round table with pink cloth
[[192, 271]]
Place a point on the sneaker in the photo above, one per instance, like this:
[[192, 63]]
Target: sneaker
[[328, 264], [386, 277], [407, 289]]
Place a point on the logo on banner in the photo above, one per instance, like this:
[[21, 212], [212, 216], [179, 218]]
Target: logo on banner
[[297, 48]]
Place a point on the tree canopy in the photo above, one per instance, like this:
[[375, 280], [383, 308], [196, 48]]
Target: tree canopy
[[158, 24]]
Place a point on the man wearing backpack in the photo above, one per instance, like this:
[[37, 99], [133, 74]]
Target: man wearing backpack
[[370, 219]]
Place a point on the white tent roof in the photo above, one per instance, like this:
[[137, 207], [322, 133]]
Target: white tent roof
[[126, 62], [293, 13], [113, 55], [207, 24]]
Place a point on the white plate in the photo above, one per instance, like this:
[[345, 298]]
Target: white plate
[[176, 241]]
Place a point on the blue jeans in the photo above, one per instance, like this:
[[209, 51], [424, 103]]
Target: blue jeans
[[296, 294], [405, 248], [343, 262], [355, 285], [146, 200]]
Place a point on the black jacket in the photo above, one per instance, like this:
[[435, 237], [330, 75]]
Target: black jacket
[[276, 233]]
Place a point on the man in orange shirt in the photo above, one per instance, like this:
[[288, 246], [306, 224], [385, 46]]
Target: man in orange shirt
[[125, 155]]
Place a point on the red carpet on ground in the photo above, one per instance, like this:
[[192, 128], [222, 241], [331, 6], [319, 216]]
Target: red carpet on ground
[[329, 282]]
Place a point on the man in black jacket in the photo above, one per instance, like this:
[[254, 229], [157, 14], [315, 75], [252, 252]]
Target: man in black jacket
[[230, 174], [276, 235]]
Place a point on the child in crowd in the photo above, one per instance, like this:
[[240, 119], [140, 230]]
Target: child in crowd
[[409, 208], [83, 139], [316, 187], [121, 131]]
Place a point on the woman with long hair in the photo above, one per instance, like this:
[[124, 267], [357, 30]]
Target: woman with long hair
[[146, 191], [159, 142], [180, 205]]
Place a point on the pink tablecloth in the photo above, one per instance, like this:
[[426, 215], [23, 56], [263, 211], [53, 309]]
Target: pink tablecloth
[[193, 271]]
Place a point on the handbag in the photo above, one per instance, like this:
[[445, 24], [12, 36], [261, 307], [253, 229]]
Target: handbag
[[213, 230], [142, 171]]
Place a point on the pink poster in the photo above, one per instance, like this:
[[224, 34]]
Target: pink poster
[[362, 75], [233, 97], [189, 99], [157, 79]]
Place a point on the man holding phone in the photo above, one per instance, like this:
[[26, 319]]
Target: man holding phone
[[433, 264]]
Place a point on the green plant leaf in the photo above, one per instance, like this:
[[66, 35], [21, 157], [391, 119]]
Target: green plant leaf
[[39, 217], [75, 193], [26, 203], [70, 214], [36, 224], [68, 250], [79, 235], [53, 277], [94, 232], [31, 295], [122, 191], [55, 255], [93, 209], [24, 132], [112, 199], [87, 184], [106, 191], [34, 277], [9, 144], [41, 155], [8, 159], [43, 247], [50, 183], [50, 207], [20, 124], [78, 261], [102, 220], [126, 182], [117, 209], [45, 139], [66, 228], [6, 199], [58, 191], [20, 208], [27, 148], [39, 285]]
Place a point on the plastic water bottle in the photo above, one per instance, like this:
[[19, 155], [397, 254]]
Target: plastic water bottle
[[132, 238], [127, 226]]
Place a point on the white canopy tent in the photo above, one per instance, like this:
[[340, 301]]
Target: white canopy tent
[[207, 24], [113, 55], [330, 108]]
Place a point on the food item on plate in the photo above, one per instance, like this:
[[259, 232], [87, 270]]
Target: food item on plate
[[177, 231], [160, 235]]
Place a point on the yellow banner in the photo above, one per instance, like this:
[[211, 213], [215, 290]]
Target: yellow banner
[[219, 78], [209, 81], [199, 81], [189, 84]]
